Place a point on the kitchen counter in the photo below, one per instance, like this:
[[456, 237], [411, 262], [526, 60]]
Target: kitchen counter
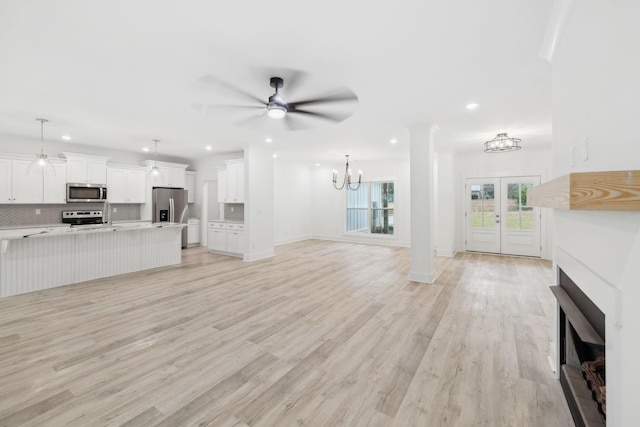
[[32, 259], [47, 231]]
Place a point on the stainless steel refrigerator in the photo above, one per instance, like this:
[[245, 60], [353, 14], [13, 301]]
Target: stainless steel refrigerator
[[170, 205]]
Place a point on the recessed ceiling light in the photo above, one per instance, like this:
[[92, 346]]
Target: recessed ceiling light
[[317, 164], [268, 140], [208, 148], [275, 155], [66, 137], [393, 141], [471, 106], [145, 149]]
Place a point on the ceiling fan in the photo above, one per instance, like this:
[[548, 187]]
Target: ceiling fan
[[276, 106]]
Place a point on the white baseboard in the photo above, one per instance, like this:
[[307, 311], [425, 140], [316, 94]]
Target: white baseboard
[[449, 253], [292, 240], [258, 256], [363, 241], [422, 277]]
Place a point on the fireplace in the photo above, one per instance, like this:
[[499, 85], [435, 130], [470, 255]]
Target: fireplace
[[582, 353]]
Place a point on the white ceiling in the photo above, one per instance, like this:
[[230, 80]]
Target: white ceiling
[[121, 73]]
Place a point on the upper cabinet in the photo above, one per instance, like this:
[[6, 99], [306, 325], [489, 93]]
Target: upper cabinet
[[190, 185], [126, 184], [55, 187], [231, 182], [17, 186], [86, 168], [171, 174]]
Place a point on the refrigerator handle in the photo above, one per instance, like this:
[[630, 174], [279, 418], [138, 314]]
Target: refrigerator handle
[[172, 213]]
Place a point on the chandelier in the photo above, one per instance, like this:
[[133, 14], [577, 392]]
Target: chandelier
[[347, 178], [501, 143]]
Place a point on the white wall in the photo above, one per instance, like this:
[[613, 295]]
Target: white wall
[[11, 144], [446, 240], [527, 161], [292, 201], [596, 93], [328, 205], [259, 203]]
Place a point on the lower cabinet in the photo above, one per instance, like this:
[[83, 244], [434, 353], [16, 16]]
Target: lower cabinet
[[193, 231], [225, 238], [235, 238]]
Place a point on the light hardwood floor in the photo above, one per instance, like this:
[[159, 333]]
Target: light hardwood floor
[[324, 334]]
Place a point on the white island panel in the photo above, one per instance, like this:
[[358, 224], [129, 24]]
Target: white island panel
[[54, 259]]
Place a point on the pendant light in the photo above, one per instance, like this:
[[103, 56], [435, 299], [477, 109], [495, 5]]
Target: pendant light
[[155, 172], [41, 165], [347, 178]]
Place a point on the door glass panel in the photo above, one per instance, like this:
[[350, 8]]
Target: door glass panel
[[519, 215], [482, 206]]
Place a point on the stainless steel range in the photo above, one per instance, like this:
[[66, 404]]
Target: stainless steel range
[[82, 217]]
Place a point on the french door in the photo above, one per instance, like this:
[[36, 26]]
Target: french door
[[498, 218]]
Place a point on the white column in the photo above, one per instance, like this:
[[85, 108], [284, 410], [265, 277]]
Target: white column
[[258, 212], [422, 202]]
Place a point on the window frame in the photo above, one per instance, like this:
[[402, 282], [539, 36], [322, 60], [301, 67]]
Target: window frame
[[369, 212]]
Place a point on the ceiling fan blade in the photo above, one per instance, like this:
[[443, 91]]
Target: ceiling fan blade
[[293, 124], [325, 116], [293, 79], [336, 97], [215, 84], [205, 109]]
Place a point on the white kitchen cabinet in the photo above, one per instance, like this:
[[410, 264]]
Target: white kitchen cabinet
[[126, 184], [55, 187], [235, 238], [86, 168], [217, 236], [193, 231], [5, 181], [25, 188], [226, 238], [19, 187], [174, 177], [222, 186], [173, 174], [190, 185], [235, 182], [231, 182]]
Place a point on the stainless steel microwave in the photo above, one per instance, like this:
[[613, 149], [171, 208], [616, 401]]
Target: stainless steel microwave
[[86, 193]]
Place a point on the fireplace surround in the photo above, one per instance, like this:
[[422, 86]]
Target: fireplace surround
[[582, 353]]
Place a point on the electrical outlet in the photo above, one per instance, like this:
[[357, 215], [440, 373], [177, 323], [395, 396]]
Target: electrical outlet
[[115, 210], [37, 211], [232, 209]]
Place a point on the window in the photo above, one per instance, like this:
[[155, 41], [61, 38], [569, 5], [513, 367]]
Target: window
[[370, 208]]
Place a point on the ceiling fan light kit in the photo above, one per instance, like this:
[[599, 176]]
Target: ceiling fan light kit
[[502, 143]]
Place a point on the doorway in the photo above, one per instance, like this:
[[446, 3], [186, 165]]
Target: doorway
[[497, 217]]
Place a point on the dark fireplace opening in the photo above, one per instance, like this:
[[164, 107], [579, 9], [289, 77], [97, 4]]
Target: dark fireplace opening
[[582, 353]]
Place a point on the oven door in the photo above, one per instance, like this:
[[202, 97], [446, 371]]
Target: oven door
[[86, 193]]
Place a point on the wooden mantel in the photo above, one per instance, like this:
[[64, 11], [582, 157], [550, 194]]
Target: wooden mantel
[[612, 190]]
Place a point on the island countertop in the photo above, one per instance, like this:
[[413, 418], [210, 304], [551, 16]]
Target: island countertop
[[56, 230]]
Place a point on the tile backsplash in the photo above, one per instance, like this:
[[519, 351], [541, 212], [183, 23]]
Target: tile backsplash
[[234, 211], [17, 215]]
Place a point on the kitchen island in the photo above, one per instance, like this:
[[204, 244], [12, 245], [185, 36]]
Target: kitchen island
[[33, 259]]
